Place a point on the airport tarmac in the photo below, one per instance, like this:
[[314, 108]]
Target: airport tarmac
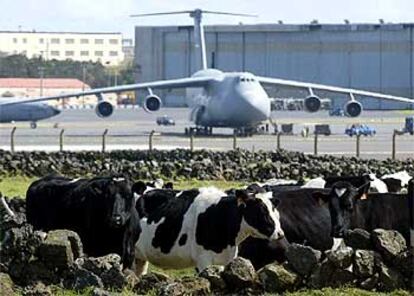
[[130, 128]]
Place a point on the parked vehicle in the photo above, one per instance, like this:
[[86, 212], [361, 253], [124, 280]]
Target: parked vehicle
[[409, 125], [336, 112], [165, 120], [360, 129], [322, 129]]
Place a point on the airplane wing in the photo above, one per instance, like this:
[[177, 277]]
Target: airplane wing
[[161, 84], [313, 86]]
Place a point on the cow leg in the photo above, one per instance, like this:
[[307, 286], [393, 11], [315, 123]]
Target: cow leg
[[128, 250], [141, 267]]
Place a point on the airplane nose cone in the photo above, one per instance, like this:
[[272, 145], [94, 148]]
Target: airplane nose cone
[[56, 111], [259, 107]]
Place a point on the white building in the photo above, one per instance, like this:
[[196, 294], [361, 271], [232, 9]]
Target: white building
[[103, 47]]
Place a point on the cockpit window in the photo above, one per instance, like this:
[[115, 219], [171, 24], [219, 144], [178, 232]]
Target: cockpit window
[[247, 79]]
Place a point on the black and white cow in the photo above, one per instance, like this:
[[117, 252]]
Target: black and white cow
[[304, 220], [376, 185], [201, 227], [370, 211], [396, 182], [101, 210]]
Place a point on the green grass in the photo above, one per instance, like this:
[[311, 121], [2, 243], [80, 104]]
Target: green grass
[[17, 186]]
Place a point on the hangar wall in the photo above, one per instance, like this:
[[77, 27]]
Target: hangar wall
[[376, 57]]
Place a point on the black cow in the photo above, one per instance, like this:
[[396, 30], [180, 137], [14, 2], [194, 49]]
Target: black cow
[[374, 210], [304, 220], [356, 181], [101, 210]]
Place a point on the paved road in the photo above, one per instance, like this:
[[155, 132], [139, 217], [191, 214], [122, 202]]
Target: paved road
[[129, 129]]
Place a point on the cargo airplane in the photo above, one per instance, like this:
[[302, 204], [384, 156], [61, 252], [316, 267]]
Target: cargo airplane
[[12, 109], [225, 99]]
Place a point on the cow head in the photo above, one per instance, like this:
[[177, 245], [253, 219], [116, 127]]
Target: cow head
[[341, 202], [260, 214], [118, 200]]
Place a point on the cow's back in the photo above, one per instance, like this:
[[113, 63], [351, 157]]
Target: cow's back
[[383, 210], [46, 199], [356, 181]]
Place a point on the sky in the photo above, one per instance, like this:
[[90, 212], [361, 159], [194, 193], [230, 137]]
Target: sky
[[113, 15]]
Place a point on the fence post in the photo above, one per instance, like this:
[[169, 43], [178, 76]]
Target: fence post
[[104, 140], [12, 139], [278, 140], [358, 145], [61, 139], [151, 136], [191, 142], [315, 145], [234, 141], [394, 139]]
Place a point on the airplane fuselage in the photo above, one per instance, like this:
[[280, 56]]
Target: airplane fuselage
[[232, 99], [27, 112]]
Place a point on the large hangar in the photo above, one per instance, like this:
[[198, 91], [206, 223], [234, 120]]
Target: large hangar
[[375, 57]]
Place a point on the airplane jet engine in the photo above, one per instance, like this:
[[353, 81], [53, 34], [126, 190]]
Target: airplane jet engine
[[152, 103], [312, 103], [353, 108], [104, 109]]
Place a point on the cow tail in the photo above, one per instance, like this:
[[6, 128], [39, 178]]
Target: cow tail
[[6, 206]]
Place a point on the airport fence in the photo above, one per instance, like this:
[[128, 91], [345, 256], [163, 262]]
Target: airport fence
[[153, 140]]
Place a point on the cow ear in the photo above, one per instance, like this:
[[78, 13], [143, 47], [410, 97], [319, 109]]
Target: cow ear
[[321, 197], [362, 191], [139, 187], [169, 185], [242, 196]]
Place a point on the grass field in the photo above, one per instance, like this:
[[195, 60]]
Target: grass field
[[17, 186]]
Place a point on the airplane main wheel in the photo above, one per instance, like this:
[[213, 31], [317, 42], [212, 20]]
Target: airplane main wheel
[[33, 125]]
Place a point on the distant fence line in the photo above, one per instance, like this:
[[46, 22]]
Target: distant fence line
[[191, 141]]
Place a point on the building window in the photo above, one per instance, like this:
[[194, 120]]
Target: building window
[[41, 40], [24, 40], [69, 53], [69, 41], [99, 53], [55, 41], [84, 41], [113, 53], [14, 40], [113, 41], [55, 53], [98, 41], [84, 53]]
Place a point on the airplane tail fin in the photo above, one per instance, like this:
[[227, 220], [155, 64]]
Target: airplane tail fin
[[200, 44]]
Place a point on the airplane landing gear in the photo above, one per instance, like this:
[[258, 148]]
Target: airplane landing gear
[[199, 131], [33, 124], [245, 131]]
